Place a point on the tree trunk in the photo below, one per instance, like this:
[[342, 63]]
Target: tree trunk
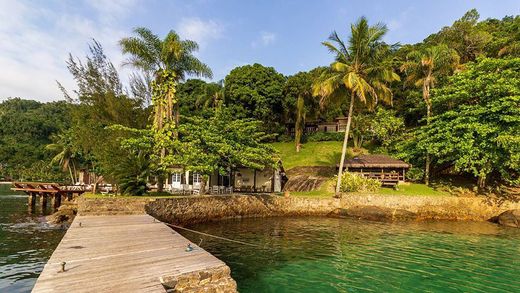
[[426, 97], [298, 131], [481, 181], [160, 183], [345, 141], [71, 176]]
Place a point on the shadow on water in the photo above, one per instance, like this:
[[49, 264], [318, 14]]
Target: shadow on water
[[26, 242], [343, 255]]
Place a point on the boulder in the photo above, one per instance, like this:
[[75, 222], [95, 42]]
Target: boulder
[[374, 213], [510, 218], [65, 213]]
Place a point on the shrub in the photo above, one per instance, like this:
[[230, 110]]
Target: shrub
[[324, 136], [415, 174], [352, 182], [285, 138]]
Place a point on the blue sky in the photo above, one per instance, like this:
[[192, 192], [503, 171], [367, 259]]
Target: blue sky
[[36, 36]]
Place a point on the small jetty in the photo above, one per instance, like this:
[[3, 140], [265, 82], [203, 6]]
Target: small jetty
[[45, 191], [130, 253]]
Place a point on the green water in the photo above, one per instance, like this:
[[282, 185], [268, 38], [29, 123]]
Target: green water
[[26, 243], [342, 255]]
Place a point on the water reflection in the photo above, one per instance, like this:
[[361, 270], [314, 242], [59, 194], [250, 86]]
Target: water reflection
[[342, 255]]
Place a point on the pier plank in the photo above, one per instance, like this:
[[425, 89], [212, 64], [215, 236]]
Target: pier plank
[[123, 253]]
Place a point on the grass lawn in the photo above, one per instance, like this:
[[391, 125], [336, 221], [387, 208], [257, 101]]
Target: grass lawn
[[412, 189], [324, 153]]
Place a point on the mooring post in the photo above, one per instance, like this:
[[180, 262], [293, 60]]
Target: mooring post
[[43, 201], [63, 266], [57, 201], [32, 201]]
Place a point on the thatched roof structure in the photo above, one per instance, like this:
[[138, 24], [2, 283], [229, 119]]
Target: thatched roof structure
[[375, 161]]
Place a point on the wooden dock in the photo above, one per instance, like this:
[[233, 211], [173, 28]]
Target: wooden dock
[[54, 191], [128, 253]]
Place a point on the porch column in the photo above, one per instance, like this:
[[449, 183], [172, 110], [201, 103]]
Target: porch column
[[187, 177]]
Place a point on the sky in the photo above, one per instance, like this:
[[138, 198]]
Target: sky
[[36, 37]]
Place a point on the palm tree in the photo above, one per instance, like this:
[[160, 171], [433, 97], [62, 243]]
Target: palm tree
[[212, 96], [169, 61], [361, 70], [422, 68], [299, 124], [64, 154]]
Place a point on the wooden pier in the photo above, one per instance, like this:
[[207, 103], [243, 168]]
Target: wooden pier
[[129, 253], [45, 191]]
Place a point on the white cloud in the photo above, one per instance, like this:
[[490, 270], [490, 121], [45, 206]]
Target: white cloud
[[265, 39], [36, 41], [200, 31]]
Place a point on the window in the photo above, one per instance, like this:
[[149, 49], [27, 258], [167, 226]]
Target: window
[[196, 177], [176, 177]]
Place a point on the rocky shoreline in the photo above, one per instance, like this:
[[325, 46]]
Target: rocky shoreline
[[197, 209]]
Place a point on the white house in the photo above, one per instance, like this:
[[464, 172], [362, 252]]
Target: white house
[[238, 180]]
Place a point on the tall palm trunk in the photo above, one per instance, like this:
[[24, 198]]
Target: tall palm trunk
[[298, 126], [71, 175], [426, 97], [345, 141]]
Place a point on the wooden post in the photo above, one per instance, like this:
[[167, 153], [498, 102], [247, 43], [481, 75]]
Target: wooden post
[[43, 201], [56, 200], [254, 181], [32, 201]]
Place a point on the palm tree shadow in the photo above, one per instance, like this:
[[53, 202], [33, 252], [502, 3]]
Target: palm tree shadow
[[330, 159]]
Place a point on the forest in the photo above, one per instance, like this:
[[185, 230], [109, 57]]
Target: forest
[[449, 105]]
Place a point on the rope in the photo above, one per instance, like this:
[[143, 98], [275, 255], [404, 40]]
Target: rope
[[214, 236]]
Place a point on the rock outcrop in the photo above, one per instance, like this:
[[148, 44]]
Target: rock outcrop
[[510, 218], [64, 214]]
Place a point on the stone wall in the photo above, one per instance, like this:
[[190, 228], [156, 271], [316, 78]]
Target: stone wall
[[197, 209], [113, 206], [435, 207], [210, 280], [191, 210], [210, 208]]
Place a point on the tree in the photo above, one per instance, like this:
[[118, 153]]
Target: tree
[[464, 36], [299, 103], [99, 102], [221, 143], [169, 61], [256, 91], [25, 129], [65, 155], [217, 143], [480, 132], [422, 69], [360, 70]]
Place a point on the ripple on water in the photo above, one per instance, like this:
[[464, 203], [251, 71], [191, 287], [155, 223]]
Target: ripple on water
[[26, 242], [342, 255]]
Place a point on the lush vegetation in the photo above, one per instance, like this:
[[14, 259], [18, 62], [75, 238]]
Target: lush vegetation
[[353, 182], [448, 105]]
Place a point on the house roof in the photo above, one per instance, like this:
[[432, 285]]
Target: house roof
[[375, 161]]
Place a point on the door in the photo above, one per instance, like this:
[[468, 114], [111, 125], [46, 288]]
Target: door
[[176, 180]]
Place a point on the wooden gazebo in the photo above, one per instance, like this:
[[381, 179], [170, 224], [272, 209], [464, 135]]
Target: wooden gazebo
[[384, 168]]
